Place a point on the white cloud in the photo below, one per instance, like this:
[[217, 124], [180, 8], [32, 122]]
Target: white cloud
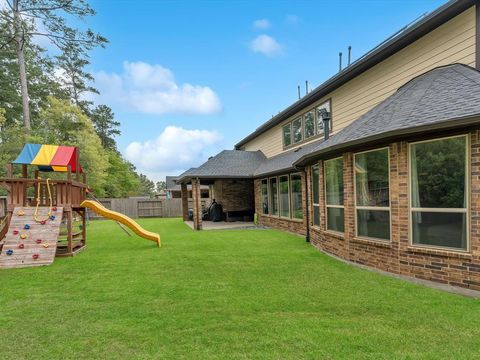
[[266, 45], [152, 89], [261, 24], [292, 19], [175, 150]]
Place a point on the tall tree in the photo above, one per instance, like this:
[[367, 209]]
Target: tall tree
[[73, 77], [24, 19], [147, 186], [106, 126]]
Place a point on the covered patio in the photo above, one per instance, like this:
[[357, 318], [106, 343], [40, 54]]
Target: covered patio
[[230, 178]]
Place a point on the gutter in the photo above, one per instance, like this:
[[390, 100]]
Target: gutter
[[367, 61]]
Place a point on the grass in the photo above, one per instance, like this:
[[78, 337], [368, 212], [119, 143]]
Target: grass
[[247, 294]]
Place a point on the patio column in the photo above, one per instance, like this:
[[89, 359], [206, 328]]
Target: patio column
[[184, 201], [197, 204]]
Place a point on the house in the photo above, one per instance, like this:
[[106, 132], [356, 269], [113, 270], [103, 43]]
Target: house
[[174, 191], [380, 164]]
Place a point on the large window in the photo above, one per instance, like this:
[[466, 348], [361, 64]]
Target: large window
[[297, 130], [284, 197], [273, 196], [265, 196], [315, 195], [334, 194], [296, 196], [372, 198], [439, 192], [287, 134], [306, 126], [309, 124]]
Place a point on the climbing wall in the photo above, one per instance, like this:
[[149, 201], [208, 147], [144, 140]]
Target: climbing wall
[[29, 243]]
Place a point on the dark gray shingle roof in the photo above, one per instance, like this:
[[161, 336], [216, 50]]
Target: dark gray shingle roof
[[170, 182], [285, 161], [227, 164], [441, 98]]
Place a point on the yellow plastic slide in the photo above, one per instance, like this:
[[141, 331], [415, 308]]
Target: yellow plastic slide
[[125, 220]]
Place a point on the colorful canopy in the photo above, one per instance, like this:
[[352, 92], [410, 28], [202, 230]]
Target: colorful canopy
[[49, 157]]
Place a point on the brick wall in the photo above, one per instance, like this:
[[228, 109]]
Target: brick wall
[[291, 225], [234, 194], [398, 256]]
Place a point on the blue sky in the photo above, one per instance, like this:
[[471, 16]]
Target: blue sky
[[189, 78]]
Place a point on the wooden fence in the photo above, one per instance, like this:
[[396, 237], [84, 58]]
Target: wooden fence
[[138, 208], [134, 208]]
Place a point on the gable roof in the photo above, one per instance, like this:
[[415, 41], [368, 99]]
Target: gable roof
[[227, 164], [389, 47], [442, 98]]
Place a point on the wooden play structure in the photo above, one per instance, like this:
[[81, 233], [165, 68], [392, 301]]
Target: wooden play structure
[[46, 214]]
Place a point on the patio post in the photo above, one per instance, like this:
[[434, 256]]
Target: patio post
[[197, 204], [184, 201]]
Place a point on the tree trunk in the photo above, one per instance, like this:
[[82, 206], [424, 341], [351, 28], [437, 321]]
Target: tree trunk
[[19, 42]]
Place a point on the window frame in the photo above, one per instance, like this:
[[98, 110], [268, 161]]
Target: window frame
[[316, 165], [291, 135], [270, 205], [333, 206], [299, 174], [299, 118], [466, 210], [288, 196], [300, 115], [314, 119], [268, 195], [373, 208]]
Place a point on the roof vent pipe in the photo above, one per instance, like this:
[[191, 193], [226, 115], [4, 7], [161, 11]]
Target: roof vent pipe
[[306, 87], [298, 88], [339, 61], [349, 55]]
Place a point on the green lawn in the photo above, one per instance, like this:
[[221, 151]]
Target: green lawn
[[246, 294]]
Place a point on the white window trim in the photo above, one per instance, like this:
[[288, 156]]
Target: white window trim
[[314, 204], [441, 210], [373, 208], [332, 206]]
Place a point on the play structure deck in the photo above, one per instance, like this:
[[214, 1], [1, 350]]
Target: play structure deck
[[47, 217]]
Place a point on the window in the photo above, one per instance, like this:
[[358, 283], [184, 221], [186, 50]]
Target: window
[[334, 194], [273, 197], [315, 195], [265, 196], [439, 192], [319, 110], [297, 130], [372, 198], [309, 124], [296, 196], [287, 135], [284, 198]]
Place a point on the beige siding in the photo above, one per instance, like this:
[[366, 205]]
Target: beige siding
[[453, 42]]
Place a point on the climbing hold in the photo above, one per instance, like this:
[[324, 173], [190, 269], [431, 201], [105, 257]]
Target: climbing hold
[[10, 252], [21, 246], [21, 213], [46, 245], [35, 256], [54, 208], [38, 241], [52, 217], [15, 232], [43, 222], [23, 236], [26, 227]]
